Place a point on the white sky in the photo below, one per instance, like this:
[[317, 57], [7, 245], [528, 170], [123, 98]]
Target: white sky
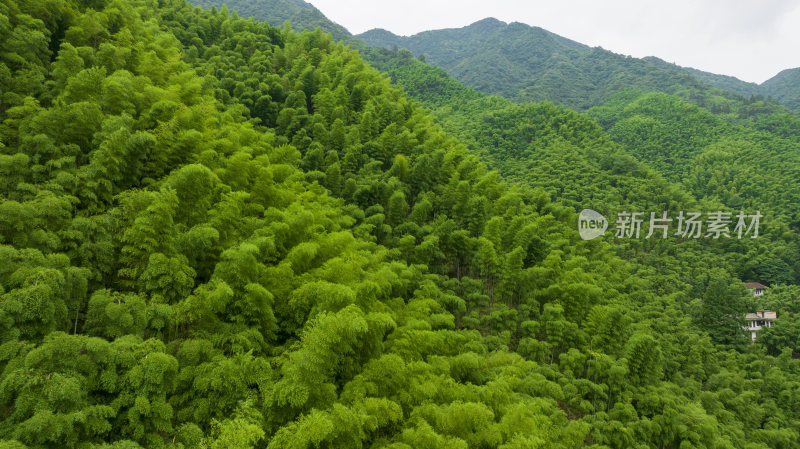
[[750, 39]]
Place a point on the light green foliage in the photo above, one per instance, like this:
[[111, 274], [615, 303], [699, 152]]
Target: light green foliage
[[220, 234]]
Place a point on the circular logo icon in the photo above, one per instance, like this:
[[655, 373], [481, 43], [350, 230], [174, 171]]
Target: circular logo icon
[[591, 224]]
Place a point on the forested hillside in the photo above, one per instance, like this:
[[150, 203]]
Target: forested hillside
[[525, 63], [671, 155], [569, 156], [221, 234], [582, 167], [785, 87], [782, 87], [726, 82], [301, 15]]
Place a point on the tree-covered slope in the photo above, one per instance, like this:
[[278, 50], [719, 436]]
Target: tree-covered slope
[[726, 82], [785, 87], [751, 164], [525, 63], [555, 149], [302, 15], [220, 234], [580, 168], [573, 159]]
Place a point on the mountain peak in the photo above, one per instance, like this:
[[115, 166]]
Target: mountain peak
[[375, 32], [488, 24], [301, 14], [489, 21]]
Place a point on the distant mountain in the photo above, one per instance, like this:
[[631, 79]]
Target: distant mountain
[[665, 152], [725, 82], [302, 15], [785, 87], [526, 63]]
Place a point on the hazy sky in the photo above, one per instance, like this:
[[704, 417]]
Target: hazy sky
[[752, 40]]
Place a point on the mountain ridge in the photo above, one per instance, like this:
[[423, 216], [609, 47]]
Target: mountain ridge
[[526, 63], [222, 234], [276, 12], [490, 24], [547, 48], [587, 90]]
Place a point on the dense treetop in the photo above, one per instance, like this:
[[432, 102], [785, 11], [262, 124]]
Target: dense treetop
[[222, 234]]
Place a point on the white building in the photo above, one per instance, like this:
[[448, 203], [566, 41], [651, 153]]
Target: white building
[[757, 288], [755, 321]]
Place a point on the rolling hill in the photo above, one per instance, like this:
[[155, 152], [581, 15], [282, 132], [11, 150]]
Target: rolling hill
[[220, 234], [526, 63], [302, 15]]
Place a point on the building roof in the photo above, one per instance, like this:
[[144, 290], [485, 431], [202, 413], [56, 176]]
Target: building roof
[[767, 315], [754, 285]]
